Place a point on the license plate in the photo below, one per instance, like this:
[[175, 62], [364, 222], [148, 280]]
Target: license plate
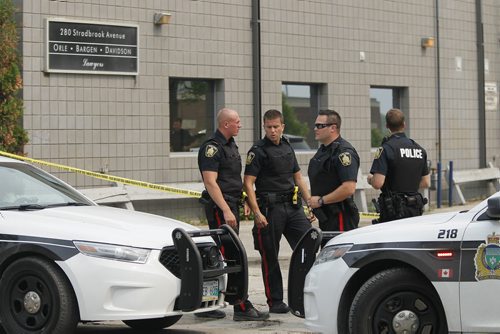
[[210, 291]]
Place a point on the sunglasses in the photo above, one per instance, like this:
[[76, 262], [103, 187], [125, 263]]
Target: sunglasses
[[323, 125]]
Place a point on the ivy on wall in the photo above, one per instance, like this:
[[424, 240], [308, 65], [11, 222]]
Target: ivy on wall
[[12, 135]]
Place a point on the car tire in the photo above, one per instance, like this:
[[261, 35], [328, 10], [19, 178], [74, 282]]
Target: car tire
[[37, 298], [397, 298], [152, 324]]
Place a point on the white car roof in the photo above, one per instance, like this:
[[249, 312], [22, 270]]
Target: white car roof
[[5, 159]]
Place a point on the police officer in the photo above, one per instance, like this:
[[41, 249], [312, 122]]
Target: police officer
[[271, 166], [399, 169], [333, 173], [220, 165]]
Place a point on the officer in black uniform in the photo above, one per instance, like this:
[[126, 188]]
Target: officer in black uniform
[[271, 166], [333, 173], [399, 169], [220, 166]]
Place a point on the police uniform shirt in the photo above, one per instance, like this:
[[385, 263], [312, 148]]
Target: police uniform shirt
[[220, 155], [402, 161], [272, 165], [331, 166]]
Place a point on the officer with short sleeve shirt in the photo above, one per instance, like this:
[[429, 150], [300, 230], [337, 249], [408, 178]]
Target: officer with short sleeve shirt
[[272, 181], [333, 173], [399, 170], [221, 156], [220, 165]]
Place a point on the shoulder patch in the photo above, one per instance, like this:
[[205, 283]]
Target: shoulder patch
[[211, 150], [345, 159], [250, 157], [379, 152]]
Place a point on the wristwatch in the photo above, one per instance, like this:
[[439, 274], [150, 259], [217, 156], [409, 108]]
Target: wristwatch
[[320, 201]]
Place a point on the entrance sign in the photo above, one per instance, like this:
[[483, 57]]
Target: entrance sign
[[91, 47]]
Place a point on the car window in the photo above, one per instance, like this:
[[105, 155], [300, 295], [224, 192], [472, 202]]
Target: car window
[[298, 142], [24, 185]]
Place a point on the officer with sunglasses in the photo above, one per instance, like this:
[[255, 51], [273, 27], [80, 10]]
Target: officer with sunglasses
[[333, 172]]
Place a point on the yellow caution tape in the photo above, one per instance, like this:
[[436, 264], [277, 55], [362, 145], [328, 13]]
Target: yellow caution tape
[[308, 212], [369, 215], [142, 184]]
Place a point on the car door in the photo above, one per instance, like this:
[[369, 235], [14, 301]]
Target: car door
[[480, 275]]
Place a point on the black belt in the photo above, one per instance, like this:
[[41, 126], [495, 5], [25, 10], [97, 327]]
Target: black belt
[[232, 199], [271, 198]]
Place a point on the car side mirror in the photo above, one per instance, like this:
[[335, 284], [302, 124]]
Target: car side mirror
[[494, 208]]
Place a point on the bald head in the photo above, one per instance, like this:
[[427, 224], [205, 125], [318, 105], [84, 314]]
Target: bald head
[[225, 115], [228, 122]]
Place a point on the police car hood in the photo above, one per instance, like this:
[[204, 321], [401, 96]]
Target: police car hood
[[409, 229], [95, 223]]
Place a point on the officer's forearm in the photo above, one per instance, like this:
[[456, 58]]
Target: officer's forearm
[[217, 196], [248, 184], [425, 182], [345, 190], [301, 183]]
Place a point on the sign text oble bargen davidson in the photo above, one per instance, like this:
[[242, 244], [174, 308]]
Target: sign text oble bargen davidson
[[84, 47]]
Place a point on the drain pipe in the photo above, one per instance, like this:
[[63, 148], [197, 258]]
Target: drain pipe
[[438, 88], [256, 66], [480, 84]]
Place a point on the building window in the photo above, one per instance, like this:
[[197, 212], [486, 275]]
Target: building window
[[300, 106], [193, 106], [382, 99]]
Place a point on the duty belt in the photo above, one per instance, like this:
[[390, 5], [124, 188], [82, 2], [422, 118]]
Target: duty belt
[[272, 198], [232, 199], [205, 198]]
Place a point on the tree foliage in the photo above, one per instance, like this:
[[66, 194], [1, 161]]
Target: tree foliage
[[377, 136], [12, 135], [293, 125]]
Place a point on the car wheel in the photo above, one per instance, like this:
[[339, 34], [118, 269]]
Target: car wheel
[[152, 324], [397, 300], [37, 298]]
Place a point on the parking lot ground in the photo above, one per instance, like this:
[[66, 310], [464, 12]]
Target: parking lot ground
[[189, 324]]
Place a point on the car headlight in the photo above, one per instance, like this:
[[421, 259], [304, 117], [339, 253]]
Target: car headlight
[[113, 252], [333, 252]]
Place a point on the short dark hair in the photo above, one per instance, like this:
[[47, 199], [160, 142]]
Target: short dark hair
[[332, 116], [273, 114], [395, 120]]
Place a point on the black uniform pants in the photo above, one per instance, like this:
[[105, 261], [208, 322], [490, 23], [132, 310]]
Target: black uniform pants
[[334, 217], [215, 219], [283, 219]]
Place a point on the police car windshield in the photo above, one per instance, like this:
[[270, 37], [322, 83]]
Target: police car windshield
[[24, 187]]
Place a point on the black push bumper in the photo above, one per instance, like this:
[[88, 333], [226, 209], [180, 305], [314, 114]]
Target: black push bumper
[[302, 260], [193, 273]]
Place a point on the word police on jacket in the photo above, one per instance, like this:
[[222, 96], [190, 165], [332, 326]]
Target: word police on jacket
[[415, 153]]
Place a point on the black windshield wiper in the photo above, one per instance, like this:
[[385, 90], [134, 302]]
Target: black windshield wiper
[[25, 207], [67, 204]]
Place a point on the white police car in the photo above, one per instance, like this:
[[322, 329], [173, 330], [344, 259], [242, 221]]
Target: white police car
[[431, 274], [63, 259]]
